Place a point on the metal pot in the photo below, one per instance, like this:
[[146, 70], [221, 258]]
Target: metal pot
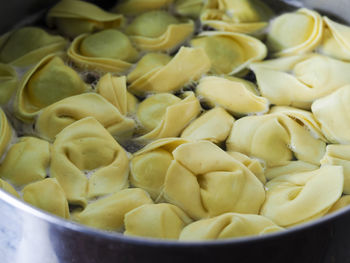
[[30, 235]]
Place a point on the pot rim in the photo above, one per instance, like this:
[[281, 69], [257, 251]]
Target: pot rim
[[115, 236]]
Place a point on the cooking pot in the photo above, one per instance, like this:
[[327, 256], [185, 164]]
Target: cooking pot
[[29, 235]]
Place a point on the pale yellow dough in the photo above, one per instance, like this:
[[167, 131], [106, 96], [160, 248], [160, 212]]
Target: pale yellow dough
[[295, 33], [214, 125], [191, 175], [47, 82], [191, 8], [229, 53], [106, 51], [73, 18], [59, 115], [159, 114], [296, 198], [159, 31], [28, 45], [336, 40], [47, 195], [333, 112], [149, 166], [6, 132], [8, 83], [228, 225], [156, 221], [108, 213], [133, 7], [254, 165], [339, 154], [8, 188], [26, 161], [218, 182], [83, 147], [277, 137], [114, 90], [240, 16], [233, 94], [187, 65], [299, 80], [290, 167], [343, 202]]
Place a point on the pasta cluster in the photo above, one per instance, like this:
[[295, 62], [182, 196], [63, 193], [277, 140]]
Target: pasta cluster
[[164, 119]]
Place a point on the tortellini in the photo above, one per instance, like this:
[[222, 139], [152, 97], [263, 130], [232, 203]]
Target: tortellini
[[109, 50], [235, 95], [27, 152], [8, 83], [228, 225], [88, 162], [6, 132], [213, 176], [46, 83], [190, 8], [159, 73], [254, 165], [159, 31], [241, 16], [343, 202], [114, 90], [296, 198], [156, 220], [59, 115], [295, 33], [159, 114], [336, 40], [278, 137], [214, 125], [28, 45], [108, 213], [229, 53], [338, 154], [47, 195], [133, 7], [149, 166], [333, 112], [290, 168], [299, 80], [8, 188], [160, 119], [73, 18]]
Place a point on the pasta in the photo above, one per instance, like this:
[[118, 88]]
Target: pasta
[[73, 18], [28, 45], [180, 120], [46, 83], [228, 225], [156, 220], [158, 30], [75, 151], [245, 16]]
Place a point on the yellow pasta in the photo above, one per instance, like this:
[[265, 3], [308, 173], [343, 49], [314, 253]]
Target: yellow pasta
[[47, 195], [108, 51], [108, 213], [156, 221], [296, 198], [46, 83], [86, 147], [28, 45], [26, 161], [295, 33], [73, 18], [228, 225], [159, 31]]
